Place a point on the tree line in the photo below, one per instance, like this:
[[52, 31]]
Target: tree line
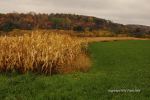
[[53, 21], [74, 22]]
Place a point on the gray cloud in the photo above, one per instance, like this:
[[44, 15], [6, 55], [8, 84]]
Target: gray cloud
[[122, 11]]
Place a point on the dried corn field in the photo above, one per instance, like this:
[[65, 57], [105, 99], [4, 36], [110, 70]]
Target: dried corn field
[[48, 53]]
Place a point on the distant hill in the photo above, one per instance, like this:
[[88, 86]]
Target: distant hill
[[138, 29], [74, 22]]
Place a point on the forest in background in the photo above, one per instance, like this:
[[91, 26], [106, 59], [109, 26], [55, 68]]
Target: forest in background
[[78, 23]]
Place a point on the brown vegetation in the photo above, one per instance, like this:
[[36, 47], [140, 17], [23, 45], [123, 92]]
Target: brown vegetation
[[109, 39], [49, 53]]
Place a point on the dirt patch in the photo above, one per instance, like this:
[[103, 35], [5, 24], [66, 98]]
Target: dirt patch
[[108, 39]]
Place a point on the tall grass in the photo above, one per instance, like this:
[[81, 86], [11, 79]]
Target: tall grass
[[48, 53]]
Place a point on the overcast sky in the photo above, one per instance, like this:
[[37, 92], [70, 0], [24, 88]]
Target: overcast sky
[[122, 11]]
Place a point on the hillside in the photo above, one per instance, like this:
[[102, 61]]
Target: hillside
[[138, 29], [77, 23]]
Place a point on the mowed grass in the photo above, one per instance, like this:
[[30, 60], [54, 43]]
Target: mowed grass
[[116, 65]]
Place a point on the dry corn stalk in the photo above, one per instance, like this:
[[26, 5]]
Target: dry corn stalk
[[48, 53]]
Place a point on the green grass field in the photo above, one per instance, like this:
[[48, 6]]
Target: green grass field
[[116, 65]]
